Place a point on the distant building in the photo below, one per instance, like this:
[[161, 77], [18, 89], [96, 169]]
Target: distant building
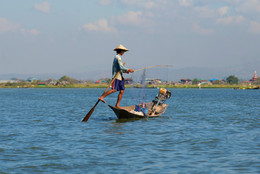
[[51, 81], [185, 81], [153, 81], [212, 80], [254, 77], [205, 82], [9, 81], [32, 79], [128, 81], [101, 81], [41, 84]]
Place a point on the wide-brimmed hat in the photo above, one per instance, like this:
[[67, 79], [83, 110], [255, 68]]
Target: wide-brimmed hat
[[121, 47]]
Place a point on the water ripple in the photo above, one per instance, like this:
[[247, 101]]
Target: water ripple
[[202, 131]]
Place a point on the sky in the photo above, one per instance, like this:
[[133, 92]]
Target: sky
[[199, 38]]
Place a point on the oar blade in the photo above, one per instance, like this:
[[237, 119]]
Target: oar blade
[[85, 119]]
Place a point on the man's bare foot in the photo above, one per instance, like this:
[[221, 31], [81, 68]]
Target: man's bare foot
[[118, 107], [102, 99]]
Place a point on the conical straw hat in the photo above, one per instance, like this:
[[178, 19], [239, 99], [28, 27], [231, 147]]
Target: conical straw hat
[[121, 47]]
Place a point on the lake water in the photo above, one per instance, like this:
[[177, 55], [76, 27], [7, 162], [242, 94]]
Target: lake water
[[202, 131]]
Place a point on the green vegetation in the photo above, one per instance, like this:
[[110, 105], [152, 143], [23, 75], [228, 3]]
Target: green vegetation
[[195, 81], [232, 80], [67, 82]]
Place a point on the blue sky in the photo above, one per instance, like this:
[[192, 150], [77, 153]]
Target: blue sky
[[199, 38]]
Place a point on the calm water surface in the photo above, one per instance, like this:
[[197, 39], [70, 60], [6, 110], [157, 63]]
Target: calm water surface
[[202, 131]]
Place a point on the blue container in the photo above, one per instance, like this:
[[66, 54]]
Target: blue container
[[137, 108], [144, 110], [141, 109]]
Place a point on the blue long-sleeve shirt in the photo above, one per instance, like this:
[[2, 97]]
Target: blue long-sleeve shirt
[[118, 66]]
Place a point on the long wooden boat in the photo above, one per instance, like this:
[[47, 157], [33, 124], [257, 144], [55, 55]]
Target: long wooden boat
[[127, 112]]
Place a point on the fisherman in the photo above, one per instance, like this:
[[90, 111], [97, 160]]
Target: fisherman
[[119, 82]]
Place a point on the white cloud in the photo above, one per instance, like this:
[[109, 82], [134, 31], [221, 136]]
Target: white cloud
[[131, 18], [223, 10], [203, 31], [33, 32], [185, 3], [44, 7], [230, 19], [100, 25], [135, 19], [254, 27], [6, 26], [205, 12]]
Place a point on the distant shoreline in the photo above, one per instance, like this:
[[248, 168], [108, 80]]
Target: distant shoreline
[[234, 86]]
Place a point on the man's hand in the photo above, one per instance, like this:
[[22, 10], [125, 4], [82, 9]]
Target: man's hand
[[130, 71]]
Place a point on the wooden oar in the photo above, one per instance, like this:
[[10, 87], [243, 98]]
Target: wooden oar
[[85, 119]]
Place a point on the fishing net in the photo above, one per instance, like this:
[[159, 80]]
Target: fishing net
[[144, 80]]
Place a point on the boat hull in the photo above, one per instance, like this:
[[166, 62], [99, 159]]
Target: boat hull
[[125, 112]]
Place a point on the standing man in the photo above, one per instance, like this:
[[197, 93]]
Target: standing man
[[119, 82]]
